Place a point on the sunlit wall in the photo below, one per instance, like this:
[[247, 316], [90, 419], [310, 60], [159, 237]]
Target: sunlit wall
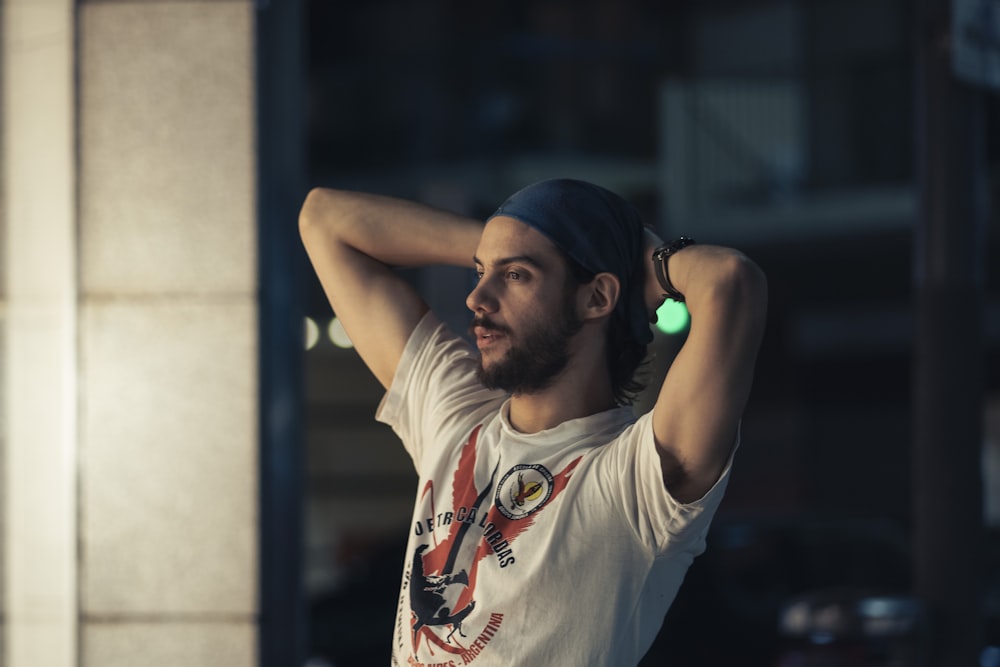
[[130, 328]]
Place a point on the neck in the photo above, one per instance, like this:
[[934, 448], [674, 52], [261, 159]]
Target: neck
[[537, 412], [581, 390]]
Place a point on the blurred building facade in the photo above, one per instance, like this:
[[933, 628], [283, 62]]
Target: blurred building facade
[[783, 127]]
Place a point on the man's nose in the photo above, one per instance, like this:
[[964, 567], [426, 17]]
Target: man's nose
[[482, 299]]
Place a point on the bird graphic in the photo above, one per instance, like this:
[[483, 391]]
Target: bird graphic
[[429, 597], [524, 492]]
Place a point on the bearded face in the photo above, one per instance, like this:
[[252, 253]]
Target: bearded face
[[537, 354]]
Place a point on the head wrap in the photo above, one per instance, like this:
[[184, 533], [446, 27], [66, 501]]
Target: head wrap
[[597, 229]]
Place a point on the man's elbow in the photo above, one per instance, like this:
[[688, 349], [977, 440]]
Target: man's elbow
[[745, 285], [313, 208]]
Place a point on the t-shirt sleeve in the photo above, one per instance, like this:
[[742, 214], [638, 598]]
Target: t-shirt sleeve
[[662, 523], [434, 389]]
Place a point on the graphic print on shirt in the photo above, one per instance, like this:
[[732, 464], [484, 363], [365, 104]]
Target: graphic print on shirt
[[524, 490], [442, 574]]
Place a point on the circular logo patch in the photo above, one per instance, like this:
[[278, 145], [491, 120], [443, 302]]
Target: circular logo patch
[[523, 490]]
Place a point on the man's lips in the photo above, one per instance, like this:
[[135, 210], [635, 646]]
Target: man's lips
[[486, 337], [486, 334]]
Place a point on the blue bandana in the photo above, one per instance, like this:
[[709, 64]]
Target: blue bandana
[[597, 229]]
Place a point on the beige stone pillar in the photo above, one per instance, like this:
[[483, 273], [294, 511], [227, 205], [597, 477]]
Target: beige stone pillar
[[130, 329]]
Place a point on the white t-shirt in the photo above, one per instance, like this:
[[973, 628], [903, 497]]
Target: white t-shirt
[[553, 548]]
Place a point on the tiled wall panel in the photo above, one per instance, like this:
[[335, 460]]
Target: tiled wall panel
[[168, 333]]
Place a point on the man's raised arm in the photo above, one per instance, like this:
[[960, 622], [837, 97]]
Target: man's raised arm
[[353, 241], [697, 412]]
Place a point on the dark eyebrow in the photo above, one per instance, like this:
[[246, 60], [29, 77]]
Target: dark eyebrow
[[523, 259]]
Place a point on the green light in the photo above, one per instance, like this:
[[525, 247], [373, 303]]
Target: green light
[[672, 317]]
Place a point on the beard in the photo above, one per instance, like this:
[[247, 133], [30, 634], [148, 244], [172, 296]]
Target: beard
[[534, 359]]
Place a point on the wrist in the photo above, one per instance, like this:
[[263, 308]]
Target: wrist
[[661, 256]]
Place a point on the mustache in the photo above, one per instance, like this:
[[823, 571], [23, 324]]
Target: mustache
[[488, 324]]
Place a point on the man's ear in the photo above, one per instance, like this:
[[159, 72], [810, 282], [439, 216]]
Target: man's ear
[[599, 297]]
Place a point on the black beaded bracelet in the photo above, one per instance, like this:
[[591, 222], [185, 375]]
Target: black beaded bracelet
[[660, 256]]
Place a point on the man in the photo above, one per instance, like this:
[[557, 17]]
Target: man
[[551, 527]]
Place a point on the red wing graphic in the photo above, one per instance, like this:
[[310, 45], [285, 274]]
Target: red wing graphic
[[510, 528], [443, 577]]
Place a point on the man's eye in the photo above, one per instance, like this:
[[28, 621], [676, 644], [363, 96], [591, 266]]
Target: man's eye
[[479, 274], [513, 275]]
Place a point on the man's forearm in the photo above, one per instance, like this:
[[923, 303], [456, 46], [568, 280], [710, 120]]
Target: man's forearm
[[701, 271], [353, 241], [393, 231], [707, 272]]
